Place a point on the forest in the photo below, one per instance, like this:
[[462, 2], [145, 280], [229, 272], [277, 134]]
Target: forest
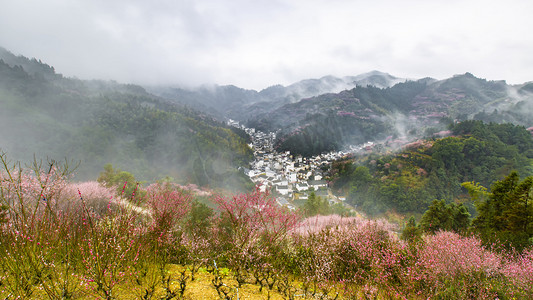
[[428, 169], [94, 123], [407, 110], [110, 192]]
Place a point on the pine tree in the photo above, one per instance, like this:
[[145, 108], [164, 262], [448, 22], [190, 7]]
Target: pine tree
[[442, 216], [411, 233], [506, 214]]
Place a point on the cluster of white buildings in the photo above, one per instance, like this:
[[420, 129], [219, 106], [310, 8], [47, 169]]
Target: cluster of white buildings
[[289, 177]]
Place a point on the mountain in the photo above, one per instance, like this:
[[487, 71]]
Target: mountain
[[406, 110], [167, 131], [317, 115], [97, 122], [407, 181], [240, 104]]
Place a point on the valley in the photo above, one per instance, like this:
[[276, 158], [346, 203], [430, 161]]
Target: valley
[[269, 150], [290, 178], [363, 186]]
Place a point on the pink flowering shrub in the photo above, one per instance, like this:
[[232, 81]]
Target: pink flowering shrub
[[450, 254], [365, 258], [254, 230], [98, 198], [164, 241], [319, 223], [109, 251], [168, 205], [34, 234], [54, 244], [348, 252], [28, 192], [456, 266], [195, 190], [518, 270], [315, 262], [74, 240], [249, 217], [371, 253]]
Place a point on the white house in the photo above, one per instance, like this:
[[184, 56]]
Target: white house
[[303, 197], [270, 173], [302, 186], [317, 184], [292, 177], [282, 189], [280, 182]]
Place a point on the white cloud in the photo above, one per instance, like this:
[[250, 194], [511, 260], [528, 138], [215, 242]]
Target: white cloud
[[255, 44]]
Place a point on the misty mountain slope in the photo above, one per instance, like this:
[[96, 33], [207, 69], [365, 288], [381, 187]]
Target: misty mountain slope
[[408, 180], [331, 121], [99, 122], [375, 78], [220, 101], [242, 105], [32, 66]]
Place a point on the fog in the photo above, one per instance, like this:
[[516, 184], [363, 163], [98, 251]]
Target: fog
[[257, 44], [93, 123], [252, 45]]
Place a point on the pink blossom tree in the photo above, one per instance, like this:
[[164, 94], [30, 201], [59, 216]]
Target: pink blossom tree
[[254, 229]]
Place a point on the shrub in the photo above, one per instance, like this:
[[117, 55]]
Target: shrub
[[98, 198]]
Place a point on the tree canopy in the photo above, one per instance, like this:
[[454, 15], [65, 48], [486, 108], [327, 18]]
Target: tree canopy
[[430, 169]]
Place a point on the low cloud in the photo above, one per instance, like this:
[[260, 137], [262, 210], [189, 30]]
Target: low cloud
[[255, 44]]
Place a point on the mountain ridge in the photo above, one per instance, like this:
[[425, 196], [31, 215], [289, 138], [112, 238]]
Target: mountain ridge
[[97, 122], [315, 115], [331, 121], [229, 101]]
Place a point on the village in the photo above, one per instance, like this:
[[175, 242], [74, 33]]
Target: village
[[291, 178]]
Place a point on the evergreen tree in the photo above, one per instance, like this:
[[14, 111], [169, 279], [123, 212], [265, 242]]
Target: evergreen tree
[[200, 218], [442, 216], [517, 216], [412, 232], [124, 182], [505, 215], [315, 205]]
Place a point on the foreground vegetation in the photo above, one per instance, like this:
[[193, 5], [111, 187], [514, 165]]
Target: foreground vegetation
[[64, 240]]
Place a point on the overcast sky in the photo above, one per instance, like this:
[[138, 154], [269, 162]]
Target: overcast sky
[[258, 43]]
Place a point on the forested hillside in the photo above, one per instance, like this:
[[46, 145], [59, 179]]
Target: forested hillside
[[96, 122], [469, 187], [406, 110], [430, 169], [246, 105]]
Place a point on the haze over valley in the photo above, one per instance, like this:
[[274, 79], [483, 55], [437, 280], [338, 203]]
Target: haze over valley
[[186, 134], [287, 149], [314, 159]]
